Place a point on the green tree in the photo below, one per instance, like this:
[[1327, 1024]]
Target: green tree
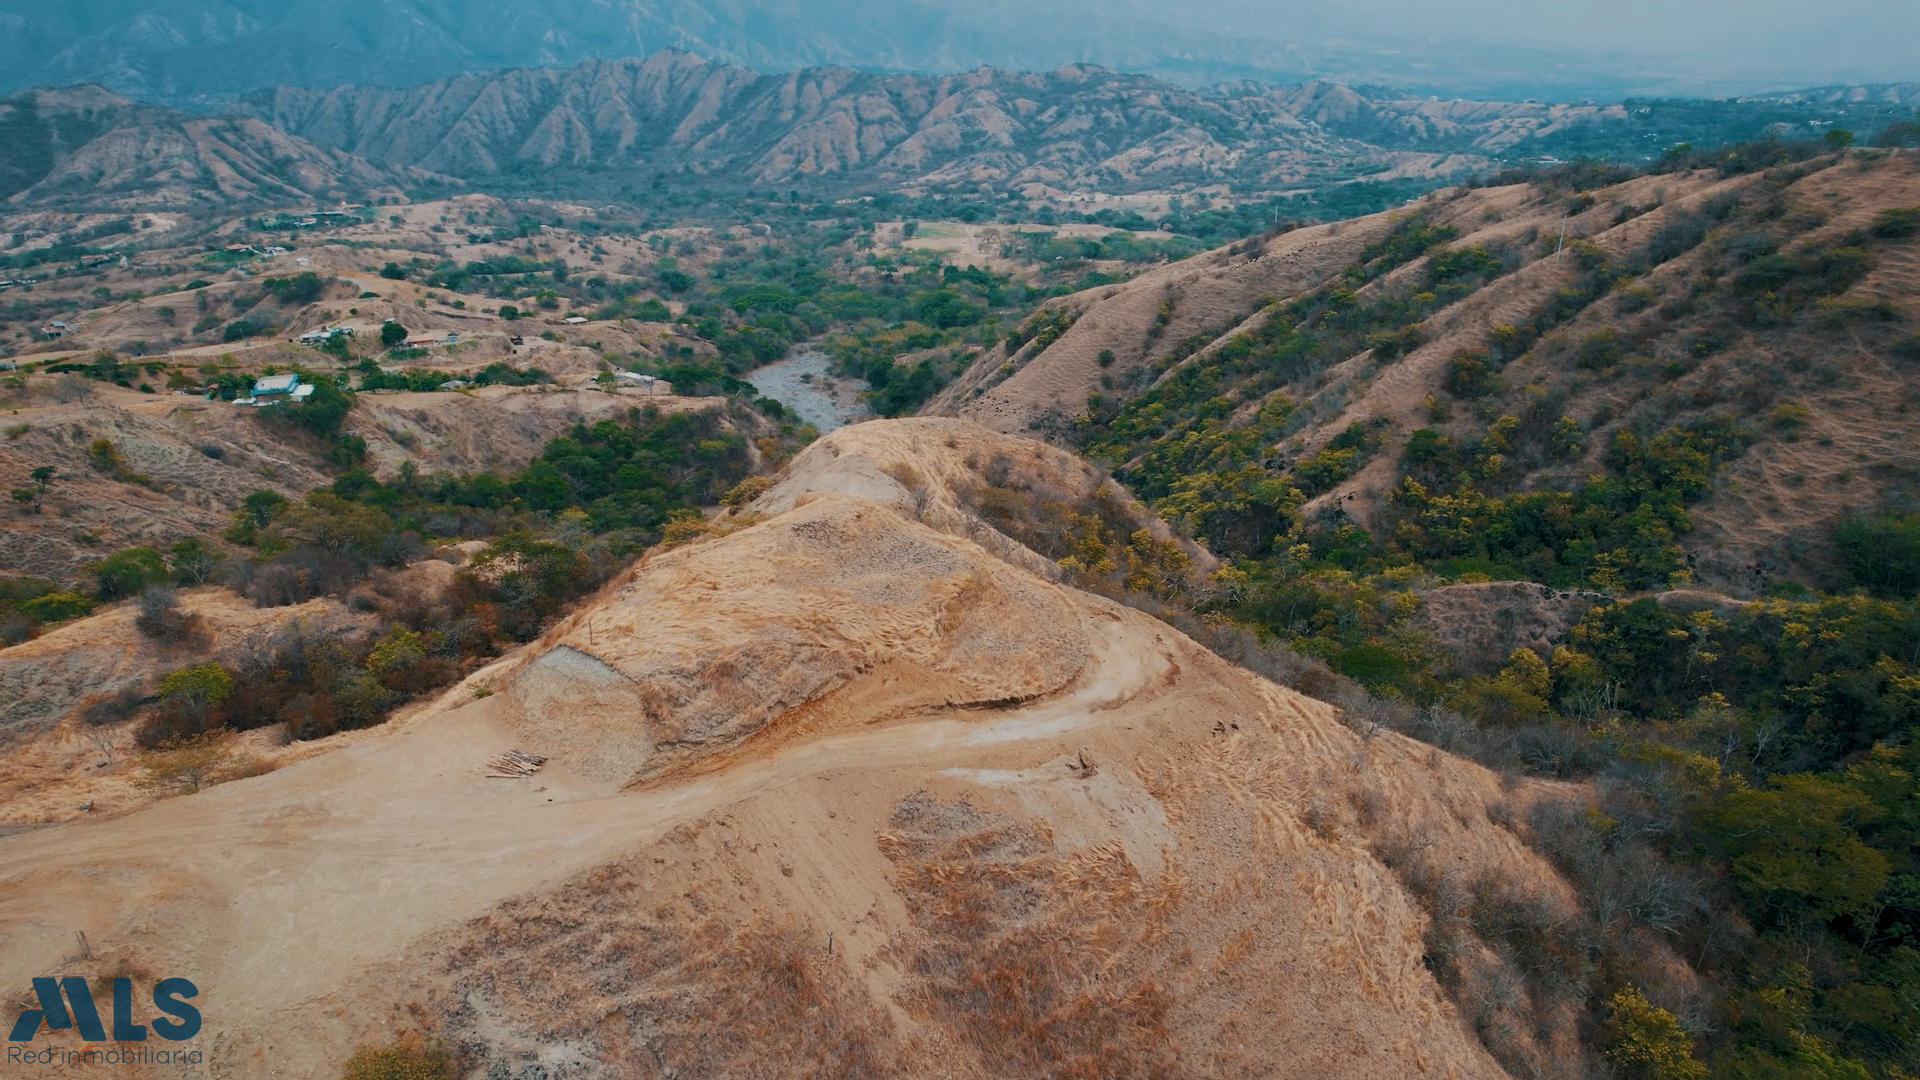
[[324, 411], [57, 607], [193, 561], [255, 513], [392, 334], [39, 480], [300, 289], [525, 578], [1649, 1043], [194, 692], [1881, 551], [1773, 1042], [331, 523], [128, 573], [1795, 849]]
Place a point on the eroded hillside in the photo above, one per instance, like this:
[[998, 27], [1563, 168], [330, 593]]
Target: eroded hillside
[[967, 820]]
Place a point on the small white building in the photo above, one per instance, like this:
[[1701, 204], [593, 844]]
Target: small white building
[[649, 383], [324, 335], [275, 385]]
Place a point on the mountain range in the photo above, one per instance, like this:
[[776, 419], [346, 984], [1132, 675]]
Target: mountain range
[[1072, 128], [676, 117], [205, 52], [675, 114]]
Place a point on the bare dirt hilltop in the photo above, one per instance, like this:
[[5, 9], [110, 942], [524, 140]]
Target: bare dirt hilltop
[[856, 790]]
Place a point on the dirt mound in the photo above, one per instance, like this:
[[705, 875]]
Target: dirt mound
[[939, 471], [707, 646], [907, 809]]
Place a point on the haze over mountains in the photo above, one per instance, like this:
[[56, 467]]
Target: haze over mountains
[[208, 51]]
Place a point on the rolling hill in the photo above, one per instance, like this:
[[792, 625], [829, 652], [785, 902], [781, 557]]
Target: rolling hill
[[1536, 326]]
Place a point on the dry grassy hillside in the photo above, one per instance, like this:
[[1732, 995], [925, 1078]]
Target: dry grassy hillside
[[1779, 300], [1144, 323], [184, 463], [870, 798]]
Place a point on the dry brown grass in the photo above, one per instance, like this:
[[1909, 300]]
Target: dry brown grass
[[611, 978], [1042, 962]]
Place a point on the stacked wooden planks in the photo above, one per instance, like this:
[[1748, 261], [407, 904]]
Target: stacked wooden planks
[[514, 764]]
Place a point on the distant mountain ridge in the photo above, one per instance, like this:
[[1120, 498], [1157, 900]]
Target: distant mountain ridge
[[676, 117], [1076, 128], [84, 148]]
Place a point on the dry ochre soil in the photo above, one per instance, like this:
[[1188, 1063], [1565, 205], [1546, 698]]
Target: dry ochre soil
[[860, 789]]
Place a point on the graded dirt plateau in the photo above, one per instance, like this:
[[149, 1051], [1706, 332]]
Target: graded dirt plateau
[[838, 794]]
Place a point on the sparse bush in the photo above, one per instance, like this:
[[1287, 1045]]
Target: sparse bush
[[56, 607], [407, 1059], [109, 709], [1897, 222], [1468, 375], [189, 702], [1790, 418], [106, 458], [187, 762], [746, 491], [1599, 350], [294, 577], [70, 388], [161, 619]]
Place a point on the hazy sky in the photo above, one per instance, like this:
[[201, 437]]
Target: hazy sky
[[1838, 40]]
